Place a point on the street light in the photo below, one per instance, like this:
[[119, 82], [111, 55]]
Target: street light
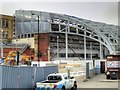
[[38, 37]]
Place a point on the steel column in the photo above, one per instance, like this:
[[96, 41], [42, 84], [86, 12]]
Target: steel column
[[66, 40], [101, 53], [57, 47], [85, 45], [91, 50]]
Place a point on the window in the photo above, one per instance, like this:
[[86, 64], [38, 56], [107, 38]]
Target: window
[[28, 35], [21, 36], [3, 23], [32, 35], [55, 77], [3, 34], [6, 34], [6, 23], [25, 35]]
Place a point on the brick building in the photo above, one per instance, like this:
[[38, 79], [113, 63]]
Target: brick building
[[7, 25]]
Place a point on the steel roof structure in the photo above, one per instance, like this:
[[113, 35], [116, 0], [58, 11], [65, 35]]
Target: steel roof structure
[[106, 34]]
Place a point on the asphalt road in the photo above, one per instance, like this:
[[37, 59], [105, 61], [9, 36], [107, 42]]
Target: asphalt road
[[98, 82]]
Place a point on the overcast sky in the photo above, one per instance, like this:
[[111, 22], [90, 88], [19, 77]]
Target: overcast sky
[[106, 12]]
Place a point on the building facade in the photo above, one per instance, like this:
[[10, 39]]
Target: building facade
[[66, 37], [7, 25]]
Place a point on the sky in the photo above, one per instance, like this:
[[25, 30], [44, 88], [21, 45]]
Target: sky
[[106, 12]]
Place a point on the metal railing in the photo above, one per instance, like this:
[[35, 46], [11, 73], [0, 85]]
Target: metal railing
[[24, 48]]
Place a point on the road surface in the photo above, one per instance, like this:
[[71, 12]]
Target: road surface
[[100, 82]]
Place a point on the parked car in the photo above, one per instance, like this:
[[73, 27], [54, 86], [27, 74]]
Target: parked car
[[57, 81]]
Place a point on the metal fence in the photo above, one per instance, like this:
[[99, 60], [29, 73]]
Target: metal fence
[[23, 77]]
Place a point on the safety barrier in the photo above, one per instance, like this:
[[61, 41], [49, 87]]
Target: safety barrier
[[23, 77]]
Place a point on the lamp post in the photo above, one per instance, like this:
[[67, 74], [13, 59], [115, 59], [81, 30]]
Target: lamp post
[[1, 43], [16, 43], [38, 39]]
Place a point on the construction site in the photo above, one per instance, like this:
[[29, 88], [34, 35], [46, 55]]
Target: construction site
[[52, 42]]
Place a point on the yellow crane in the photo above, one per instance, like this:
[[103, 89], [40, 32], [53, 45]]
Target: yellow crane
[[11, 58]]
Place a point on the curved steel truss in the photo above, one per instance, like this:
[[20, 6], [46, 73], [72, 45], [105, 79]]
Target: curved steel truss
[[101, 32], [106, 34]]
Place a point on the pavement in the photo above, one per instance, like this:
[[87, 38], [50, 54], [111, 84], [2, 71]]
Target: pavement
[[98, 81], [107, 80]]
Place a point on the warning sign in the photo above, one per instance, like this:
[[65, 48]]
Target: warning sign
[[113, 64]]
